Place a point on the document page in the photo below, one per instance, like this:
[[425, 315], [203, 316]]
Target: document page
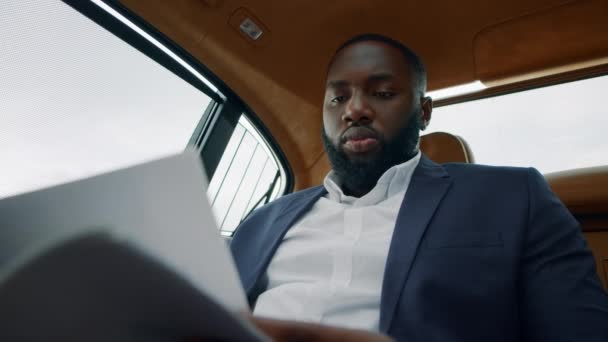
[[153, 214]]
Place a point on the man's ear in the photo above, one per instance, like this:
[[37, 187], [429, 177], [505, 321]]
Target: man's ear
[[426, 104]]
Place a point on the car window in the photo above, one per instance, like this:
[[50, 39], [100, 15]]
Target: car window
[[552, 128], [247, 177], [75, 100], [85, 89]]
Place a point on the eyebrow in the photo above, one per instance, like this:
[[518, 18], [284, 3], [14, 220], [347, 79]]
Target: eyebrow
[[380, 77], [374, 78], [337, 84]]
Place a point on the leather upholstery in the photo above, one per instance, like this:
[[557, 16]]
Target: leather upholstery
[[584, 191], [442, 147]]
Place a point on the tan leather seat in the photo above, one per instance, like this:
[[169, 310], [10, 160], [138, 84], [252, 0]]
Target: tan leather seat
[[585, 193], [442, 147]]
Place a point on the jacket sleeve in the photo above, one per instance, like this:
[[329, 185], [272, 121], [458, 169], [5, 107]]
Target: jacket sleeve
[[561, 295]]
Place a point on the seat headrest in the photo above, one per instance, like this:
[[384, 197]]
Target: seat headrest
[[443, 147], [584, 191]]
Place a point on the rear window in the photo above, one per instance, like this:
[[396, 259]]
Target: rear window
[[247, 177], [552, 129]]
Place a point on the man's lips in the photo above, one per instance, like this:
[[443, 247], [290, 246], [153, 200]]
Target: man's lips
[[361, 145], [360, 139]]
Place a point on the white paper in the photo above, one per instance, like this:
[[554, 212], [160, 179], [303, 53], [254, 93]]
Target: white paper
[[160, 208]]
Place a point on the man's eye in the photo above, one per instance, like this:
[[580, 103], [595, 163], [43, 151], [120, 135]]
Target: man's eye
[[384, 94], [338, 99]]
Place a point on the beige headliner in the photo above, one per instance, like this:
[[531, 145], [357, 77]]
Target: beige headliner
[[281, 77]]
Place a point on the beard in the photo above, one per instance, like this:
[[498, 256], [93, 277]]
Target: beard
[[359, 177]]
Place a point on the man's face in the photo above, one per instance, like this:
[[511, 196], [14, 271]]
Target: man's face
[[371, 112], [368, 96]]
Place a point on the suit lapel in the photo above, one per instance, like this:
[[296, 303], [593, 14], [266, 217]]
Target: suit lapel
[[429, 184]]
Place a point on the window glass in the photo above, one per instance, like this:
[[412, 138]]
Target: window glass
[[247, 177], [553, 128], [76, 101]]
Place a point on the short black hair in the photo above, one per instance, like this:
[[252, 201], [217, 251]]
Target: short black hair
[[411, 58]]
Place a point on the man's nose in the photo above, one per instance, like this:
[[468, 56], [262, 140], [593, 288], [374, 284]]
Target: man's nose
[[358, 110]]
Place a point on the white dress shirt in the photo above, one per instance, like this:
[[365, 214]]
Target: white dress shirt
[[330, 264]]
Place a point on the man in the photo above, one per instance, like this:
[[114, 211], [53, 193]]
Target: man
[[397, 244]]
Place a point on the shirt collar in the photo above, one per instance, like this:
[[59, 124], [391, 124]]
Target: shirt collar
[[394, 181]]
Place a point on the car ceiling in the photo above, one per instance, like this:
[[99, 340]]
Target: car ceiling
[[504, 43]]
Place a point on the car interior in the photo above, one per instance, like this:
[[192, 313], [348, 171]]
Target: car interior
[[509, 46], [261, 66]]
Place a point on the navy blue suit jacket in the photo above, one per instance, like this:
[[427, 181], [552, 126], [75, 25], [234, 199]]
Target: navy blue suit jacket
[[478, 253]]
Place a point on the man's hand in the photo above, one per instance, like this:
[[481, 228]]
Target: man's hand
[[296, 331]]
